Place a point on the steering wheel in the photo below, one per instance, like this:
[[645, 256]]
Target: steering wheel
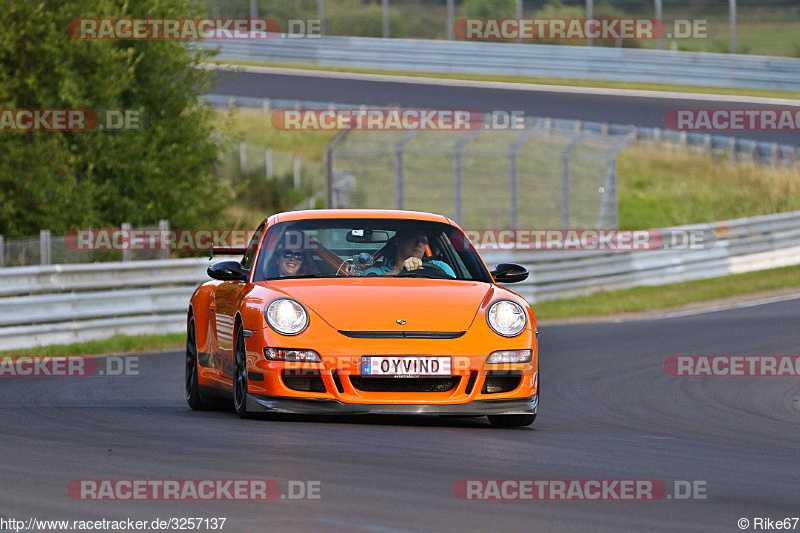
[[431, 269]]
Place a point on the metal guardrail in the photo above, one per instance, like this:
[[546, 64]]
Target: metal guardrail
[[537, 60], [57, 304], [743, 245]]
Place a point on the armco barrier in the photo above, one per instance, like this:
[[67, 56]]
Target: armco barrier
[[536, 60], [58, 304]]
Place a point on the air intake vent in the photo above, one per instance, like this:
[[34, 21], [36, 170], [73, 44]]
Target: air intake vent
[[403, 334], [497, 382]]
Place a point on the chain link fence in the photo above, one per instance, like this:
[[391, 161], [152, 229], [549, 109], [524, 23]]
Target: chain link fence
[[548, 174], [60, 249]]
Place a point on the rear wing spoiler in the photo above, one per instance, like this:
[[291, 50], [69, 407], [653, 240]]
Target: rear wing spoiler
[[226, 250]]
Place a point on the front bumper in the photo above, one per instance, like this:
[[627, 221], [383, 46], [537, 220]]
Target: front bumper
[[322, 406]]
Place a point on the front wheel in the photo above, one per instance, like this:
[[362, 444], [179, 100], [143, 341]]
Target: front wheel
[[240, 377], [511, 421]]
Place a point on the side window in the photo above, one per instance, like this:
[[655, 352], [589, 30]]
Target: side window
[[252, 248]]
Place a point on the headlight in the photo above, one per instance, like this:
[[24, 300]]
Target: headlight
[[286, 316], [510, 356], [506, 318]]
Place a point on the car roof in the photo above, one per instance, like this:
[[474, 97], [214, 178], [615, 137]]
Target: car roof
[[311, 214]]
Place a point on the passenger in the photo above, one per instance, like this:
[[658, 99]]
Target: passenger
[[289, 259], [407, 249]]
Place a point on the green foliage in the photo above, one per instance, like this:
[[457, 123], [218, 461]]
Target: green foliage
[[488, 9], [64, 180], [555, 9]]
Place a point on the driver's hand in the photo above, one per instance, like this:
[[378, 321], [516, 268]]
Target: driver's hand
[[412, 263]]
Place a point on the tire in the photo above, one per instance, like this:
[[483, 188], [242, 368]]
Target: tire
[[240, 377], [511, 421], [193, 397]]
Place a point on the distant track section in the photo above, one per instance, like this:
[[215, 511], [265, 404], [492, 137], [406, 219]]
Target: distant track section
[[639, 108]]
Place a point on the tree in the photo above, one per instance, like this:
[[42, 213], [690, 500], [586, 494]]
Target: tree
[[68, 179]]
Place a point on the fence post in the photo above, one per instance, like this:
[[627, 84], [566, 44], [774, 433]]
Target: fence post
[[457, 178], [327, 166], [513, 177], [732, 9], [126, 251], [2, 252], [451, 16], [268, 162], [163, 230], [44, 246], [399, 178], [732, 151], [589, 15], [321, 16], [296, 172], [565, 155], [609, 204], [385, 17], [242, 155], [659, 42]]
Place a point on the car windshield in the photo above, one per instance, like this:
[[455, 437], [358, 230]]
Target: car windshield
[[366, 248]]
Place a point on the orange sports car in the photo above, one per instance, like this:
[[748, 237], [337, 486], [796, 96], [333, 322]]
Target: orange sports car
[[363, 311]]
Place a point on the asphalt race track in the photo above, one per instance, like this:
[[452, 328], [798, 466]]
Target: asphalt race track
[[608, 411], [612, 108]]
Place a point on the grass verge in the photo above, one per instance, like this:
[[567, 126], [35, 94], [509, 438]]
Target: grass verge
[[670, 295], [113, 345]]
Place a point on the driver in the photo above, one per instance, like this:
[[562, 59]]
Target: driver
[[408, 247]]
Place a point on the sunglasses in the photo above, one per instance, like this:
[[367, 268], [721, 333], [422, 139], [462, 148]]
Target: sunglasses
[[299, 256]]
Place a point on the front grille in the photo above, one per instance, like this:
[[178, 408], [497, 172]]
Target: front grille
[[497, 382], [305, 380], [404, 384]]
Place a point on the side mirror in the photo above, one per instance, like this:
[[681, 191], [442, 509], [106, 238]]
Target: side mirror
[[509, 273], [228, 271]]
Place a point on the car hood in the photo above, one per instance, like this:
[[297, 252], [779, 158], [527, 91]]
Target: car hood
[[378, 304]]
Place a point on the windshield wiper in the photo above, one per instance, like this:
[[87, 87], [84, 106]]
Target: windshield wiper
[[413, 274]]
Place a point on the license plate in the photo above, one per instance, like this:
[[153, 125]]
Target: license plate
[[406, 366]]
